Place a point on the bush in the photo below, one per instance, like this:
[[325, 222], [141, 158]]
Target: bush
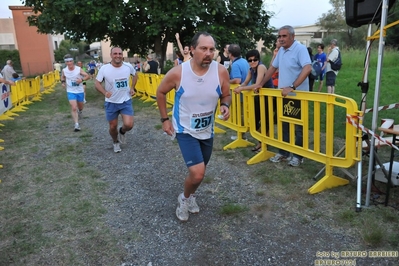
[[168, 65], [12, 55]]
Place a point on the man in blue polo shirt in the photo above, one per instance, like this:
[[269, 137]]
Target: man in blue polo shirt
[[239, 66], [294, 66], [238, 71]]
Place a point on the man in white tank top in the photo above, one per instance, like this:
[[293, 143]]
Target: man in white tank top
[[118, 92], [200, 84], [72, 78]]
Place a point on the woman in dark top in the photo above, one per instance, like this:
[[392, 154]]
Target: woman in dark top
[[255, 75]]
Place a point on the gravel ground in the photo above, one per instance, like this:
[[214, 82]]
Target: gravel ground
[[145, 180]]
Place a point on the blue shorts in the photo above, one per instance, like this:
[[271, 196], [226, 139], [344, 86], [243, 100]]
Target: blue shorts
[[79, 97], [112, 110], [321, 76], [194, 150]]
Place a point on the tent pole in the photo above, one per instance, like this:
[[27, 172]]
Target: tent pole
[[384, 14]]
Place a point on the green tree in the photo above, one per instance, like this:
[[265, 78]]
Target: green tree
[[392, 38], [12, 55], [334, 21], [143, 26], [76, 49]]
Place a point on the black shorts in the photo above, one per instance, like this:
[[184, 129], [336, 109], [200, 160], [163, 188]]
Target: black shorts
[[330, 78], [91, 71]]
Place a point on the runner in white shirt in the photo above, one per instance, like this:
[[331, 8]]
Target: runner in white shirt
[[113, 81], [72, 78]]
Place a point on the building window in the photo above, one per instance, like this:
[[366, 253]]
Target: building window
[[317, 34], [7, 47], [56, 45]]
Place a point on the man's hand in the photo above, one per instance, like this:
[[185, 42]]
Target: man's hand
[[286, 90]]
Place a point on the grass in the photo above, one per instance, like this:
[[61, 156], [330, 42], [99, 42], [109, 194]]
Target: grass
[[51, 200], [232, 208]]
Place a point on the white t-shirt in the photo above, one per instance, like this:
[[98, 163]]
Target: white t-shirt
[[71, 77], [116, 81]]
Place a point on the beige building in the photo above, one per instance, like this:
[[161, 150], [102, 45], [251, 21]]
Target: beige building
[[309, 34], [8, 39]]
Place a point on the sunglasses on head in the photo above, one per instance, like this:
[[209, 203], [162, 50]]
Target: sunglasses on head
[[252, 60]]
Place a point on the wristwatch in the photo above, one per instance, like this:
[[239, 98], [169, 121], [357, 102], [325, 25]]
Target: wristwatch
[[293, 87], [164, 119]]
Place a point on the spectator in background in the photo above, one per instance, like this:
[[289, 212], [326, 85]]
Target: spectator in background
[[7, 82], [331, 75], [179, 59], [294, 66], [91, 66], [239, 66], [84, 82], [137, 66], [223, 57], [8, 70], [57, 66], [311, 79], [253, 81], [151, 66], [186, 51], [15, 77], [275, 74], [238, 70], [322, 59]]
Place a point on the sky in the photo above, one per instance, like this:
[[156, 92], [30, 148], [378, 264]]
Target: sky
[[287, 12]]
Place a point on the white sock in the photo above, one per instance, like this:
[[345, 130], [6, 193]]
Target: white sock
[[183, 197]]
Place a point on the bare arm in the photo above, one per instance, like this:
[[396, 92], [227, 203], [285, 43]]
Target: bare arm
[[267, 76], [134, 82], [63, 79], [168, 83], [243, 85], [225, 99], [99, 87], [235, 81], [84, 74], [6, 81], [179, 43], [302, 76]]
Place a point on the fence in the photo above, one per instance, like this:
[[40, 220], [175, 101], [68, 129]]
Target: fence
[[16, 98]]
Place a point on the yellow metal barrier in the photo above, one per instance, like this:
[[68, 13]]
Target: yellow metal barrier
[[31, 90], [318, 143], [48, 82], [237, 120], [18, 96], [141, 86], [152, 83]]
